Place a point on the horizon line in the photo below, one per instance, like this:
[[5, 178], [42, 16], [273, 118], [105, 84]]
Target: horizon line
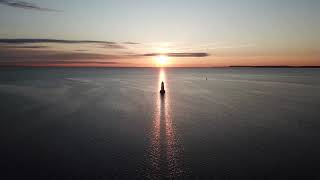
[[232, 66]]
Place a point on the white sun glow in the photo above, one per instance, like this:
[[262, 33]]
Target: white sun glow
[[161, 60]]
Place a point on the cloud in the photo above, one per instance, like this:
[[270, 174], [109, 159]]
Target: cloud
[[26, 5], [24, 47], [18, 43], [132, 43], [56, 62], [81, 50], [114, 46], [25, 41], [29, 55], [195, 54]]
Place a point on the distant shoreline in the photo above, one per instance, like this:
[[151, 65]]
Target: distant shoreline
[[274, 66]]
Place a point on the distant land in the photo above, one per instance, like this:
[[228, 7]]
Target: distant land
[[274, 66]]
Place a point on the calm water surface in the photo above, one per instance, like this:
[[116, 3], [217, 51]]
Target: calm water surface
[[109, 123]]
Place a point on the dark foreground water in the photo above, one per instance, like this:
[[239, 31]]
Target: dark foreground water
[[109, 123]]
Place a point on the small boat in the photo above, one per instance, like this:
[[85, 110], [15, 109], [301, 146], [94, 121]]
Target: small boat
[[162, 91]]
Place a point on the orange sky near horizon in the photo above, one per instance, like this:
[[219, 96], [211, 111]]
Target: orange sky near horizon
[[47, 54]]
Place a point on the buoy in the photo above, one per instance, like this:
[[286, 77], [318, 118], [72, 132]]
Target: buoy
[[162, 91]]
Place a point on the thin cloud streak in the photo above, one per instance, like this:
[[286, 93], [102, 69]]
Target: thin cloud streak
[[26, 5], [114, 46], [49, 55], [132, 43], [27, 41], [196, 54], [24, 47], [56, 62]]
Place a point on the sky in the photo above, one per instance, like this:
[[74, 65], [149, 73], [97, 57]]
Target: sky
[[148, 33]]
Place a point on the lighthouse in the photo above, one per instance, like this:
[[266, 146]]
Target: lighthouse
[[162, 91]]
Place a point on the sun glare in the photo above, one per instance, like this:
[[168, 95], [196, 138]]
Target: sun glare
[[162, 60]]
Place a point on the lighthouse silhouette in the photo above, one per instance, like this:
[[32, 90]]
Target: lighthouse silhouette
[[162, 91]]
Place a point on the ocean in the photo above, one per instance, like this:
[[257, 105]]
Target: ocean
[[112, 123]]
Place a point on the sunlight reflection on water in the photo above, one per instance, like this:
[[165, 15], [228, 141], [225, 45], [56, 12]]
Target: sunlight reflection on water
[[164, 151]]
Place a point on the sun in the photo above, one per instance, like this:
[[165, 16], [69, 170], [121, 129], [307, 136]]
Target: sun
[[161, 60]]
